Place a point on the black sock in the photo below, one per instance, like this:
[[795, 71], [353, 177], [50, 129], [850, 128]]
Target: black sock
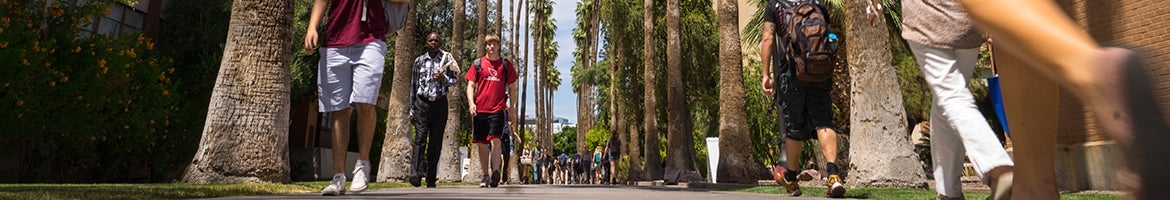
[[831, 168], [790, 175]]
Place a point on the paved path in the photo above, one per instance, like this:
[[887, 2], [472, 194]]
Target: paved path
[[538, 192]]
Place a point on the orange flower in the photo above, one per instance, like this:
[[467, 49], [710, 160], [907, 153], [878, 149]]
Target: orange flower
[[149, 45], [165, 93], [102, 63], [19, 102], [77, 50], [52, 83], [64, 79], [79, 97], [24, 61]]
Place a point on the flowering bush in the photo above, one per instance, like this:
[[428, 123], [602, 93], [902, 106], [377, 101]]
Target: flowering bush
[[79, 107]]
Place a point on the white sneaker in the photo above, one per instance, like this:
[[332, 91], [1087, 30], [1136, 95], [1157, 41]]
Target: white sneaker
[[361, 174], [336, 187]]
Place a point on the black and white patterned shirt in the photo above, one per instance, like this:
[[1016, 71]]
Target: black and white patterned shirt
[[424, 82]]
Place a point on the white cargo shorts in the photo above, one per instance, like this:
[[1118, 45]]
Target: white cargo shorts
[[350, 74]]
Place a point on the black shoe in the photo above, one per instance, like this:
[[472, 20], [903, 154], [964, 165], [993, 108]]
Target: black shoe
[[430, 184], [415, 181], [484, 182], [495, 181]]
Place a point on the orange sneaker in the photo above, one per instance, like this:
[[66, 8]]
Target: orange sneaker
[[793, 186], [836, 187]]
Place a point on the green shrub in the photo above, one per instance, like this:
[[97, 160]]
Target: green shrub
[[79, 107]]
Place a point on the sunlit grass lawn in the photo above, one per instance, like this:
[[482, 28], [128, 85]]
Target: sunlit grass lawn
[[897, 193], [164, 190]]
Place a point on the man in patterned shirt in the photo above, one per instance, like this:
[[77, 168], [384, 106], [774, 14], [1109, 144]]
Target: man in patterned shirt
[[434, 71]]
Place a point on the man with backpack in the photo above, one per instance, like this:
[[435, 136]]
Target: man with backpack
[[798, 45], [489, 79]]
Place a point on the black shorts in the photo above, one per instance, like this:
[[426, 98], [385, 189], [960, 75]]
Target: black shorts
[[806, 106], [488, 126]]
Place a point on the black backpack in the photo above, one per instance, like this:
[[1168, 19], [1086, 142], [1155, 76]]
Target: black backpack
[[508, 68], [806, 39]]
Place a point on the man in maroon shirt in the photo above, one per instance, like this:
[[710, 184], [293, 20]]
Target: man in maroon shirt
[[489, 79], [349, 75]]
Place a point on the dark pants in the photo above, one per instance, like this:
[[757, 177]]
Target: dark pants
[[805, 106], [430, 121]]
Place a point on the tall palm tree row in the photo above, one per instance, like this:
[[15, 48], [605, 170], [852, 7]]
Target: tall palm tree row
[[245, 137]]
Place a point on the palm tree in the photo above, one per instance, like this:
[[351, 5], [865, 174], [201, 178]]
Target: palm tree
[[527, 11], [245, 138], [474, 172], [736, 162], [396, 145], [449, 168], [877, 117], [651, 169], [680, 158]]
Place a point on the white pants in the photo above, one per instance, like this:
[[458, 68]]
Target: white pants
[[957, 126]]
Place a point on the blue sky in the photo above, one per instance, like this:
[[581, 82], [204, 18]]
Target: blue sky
[[564, 100]]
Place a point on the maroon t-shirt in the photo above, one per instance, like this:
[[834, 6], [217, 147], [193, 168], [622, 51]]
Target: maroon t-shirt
[[345, 26], [492, 80]]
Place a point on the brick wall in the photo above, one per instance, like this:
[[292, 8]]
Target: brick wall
[[1140, 24]]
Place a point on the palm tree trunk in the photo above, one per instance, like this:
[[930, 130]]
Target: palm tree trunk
[[499, 18], [736, 162], [481, 29], [680, 160], [396, 148], [881, 151], [450, 168], [245, 138], [652, 169], [473, 171], [524, 65]]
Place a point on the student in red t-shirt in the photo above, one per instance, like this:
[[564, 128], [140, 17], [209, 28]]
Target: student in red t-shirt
[[489, 79], [349, 74]]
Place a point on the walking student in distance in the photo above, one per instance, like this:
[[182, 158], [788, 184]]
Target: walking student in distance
[[489, 79], [349, 75], [434, 71]]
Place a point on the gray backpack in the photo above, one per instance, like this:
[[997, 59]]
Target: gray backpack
[[395, 14]]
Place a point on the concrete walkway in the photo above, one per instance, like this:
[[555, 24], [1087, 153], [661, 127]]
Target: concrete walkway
[[557, 192]]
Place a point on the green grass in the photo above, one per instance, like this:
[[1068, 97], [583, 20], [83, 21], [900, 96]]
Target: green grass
[[165, 190], [898, 193]]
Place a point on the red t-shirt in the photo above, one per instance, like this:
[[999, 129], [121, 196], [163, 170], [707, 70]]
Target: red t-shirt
[[492, 80], [345, 26]]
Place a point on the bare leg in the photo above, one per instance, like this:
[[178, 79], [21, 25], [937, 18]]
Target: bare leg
[[340, 139], [483, 159], [496, 154], [828, 139], [793, 150], [1041, 35], [366, 120]]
